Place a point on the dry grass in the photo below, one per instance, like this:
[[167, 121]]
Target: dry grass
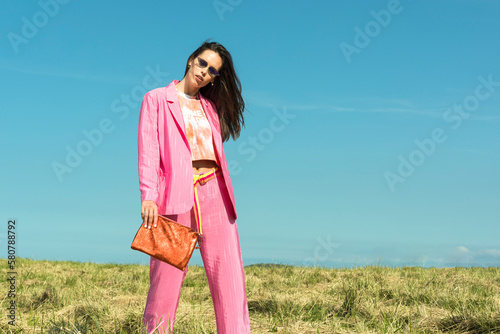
[[71, 297]]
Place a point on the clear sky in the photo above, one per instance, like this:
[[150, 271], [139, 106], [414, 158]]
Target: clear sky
[[372, 127]]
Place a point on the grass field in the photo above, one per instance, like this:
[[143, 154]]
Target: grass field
[[72, 297]]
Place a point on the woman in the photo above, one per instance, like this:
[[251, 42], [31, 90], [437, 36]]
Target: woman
[[181, 130]]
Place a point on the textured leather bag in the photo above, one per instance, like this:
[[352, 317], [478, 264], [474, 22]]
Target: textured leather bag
[[169, 242]]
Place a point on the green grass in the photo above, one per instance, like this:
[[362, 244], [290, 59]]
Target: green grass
[[72, 297]]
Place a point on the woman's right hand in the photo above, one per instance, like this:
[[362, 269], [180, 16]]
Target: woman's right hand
[[149, 213]]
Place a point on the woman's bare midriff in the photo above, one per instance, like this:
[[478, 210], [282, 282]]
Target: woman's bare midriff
[[203, 166]]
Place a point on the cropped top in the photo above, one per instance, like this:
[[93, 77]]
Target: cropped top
[[198, 131]]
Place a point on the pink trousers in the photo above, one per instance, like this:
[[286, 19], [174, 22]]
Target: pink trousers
[[221, 254]]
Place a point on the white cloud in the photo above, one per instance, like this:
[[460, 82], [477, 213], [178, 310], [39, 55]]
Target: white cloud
[[490, 252], [353, 105], [461, 250], [66, 74]]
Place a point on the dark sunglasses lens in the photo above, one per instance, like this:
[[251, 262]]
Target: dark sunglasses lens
[[202, 62], [213, 71]]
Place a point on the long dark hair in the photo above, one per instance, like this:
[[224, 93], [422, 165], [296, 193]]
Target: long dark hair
[[225, 92]]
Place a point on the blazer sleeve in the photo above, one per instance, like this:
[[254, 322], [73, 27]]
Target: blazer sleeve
[[149, 149]]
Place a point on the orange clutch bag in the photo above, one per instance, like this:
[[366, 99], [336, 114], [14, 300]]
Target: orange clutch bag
[[169, 242]]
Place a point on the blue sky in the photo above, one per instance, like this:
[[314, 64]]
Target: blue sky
[[372, 127]]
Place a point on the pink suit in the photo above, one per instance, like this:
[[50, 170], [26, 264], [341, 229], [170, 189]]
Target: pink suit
[[165, 166], [165, 176]]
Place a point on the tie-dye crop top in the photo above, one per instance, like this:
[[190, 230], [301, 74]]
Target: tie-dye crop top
[[198, 131]]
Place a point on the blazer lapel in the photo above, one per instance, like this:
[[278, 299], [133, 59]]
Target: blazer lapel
[[211, 114], [175, 109]]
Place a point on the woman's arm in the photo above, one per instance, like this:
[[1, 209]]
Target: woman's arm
[[149, 159]]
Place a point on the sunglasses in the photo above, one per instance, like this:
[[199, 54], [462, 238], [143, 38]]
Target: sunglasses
[[202, 63]]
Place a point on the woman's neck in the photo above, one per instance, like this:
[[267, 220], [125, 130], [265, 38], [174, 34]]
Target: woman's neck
[[184, 88]]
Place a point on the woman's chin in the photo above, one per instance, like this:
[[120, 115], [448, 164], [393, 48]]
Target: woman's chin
[[200, 84]]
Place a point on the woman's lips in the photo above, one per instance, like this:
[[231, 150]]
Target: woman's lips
[[198, 78]]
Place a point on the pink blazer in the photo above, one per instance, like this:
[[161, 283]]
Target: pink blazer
[[165, 166]]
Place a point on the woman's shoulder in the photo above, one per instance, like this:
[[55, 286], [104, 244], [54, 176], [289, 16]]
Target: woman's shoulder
[[162, 92], [206, 100], [157, 92]]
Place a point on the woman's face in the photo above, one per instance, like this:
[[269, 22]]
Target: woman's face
[[201, 76]]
